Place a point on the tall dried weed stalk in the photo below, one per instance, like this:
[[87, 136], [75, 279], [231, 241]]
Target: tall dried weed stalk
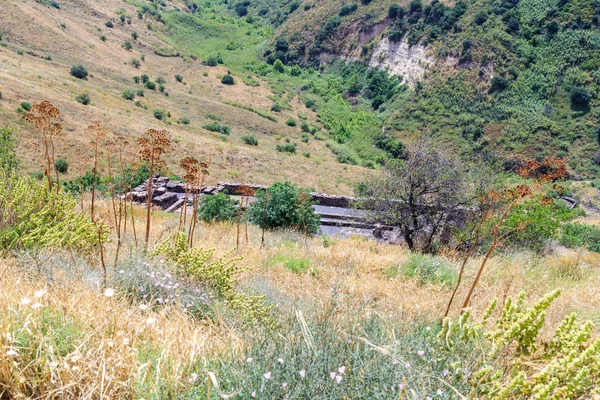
[[45, 118]]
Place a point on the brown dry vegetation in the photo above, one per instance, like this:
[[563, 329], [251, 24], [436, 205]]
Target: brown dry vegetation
[[29, 77]]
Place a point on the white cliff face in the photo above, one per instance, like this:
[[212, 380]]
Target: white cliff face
[[400, 59]]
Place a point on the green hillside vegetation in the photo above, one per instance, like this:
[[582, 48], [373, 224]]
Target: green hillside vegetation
[[511, 80]]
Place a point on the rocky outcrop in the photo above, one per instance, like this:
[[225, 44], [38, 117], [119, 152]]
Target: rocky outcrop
[[398, 58]]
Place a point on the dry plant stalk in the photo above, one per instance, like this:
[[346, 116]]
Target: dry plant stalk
[[44, 117], [245, 191], [153, 145], [549, 170], [198, 181], [98, 133]]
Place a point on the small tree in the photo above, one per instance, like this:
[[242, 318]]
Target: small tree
[[278, 66], [422, 194], [134, 35], [136, 63], [153, 145], [284, 205], [127, 45], [217, 208]]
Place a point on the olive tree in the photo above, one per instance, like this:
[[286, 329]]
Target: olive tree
[[422, 194]]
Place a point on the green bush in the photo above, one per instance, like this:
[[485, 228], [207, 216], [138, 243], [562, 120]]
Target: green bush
[[26, 106], [150, 85], [109, 24], [160, 80], [304, 138], [576, 235], [8, 157], [343, 154], [227, 80], [249, 139], [580, 97], [217, 127], [426, 269], [79, 71], [284, 205], [286, 148], [61, 165], [84, 99], [128, 94], [159, 114], [305, 127], [278, 66], [179, 78], [348, 9], [127, 45], [140, 92], [217, 208], [291, 122], [144, 78], [183, 121], [135, 62], [276, 107], [213, 117]]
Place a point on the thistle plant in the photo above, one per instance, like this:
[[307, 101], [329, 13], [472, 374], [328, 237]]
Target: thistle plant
[[153, 145], [45, 118]]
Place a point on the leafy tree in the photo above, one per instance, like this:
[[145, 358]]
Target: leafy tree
[[395, 11], [348, 9], [284, 206]]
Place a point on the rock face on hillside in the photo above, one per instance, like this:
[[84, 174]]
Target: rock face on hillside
[[398, 58]]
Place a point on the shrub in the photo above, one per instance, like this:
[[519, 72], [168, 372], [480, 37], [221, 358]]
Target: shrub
[[348, 9], [295, 71], [84, 99], [278, 66], [276, 107], [304, 138], [103, 38], [128, 94], [109, 24], [395, 11], [8, 157], [159, 114], [179, 78], [296, 265], [140, 92], [249, 139], [25, 106], [61, 165], [183, 121], [498, 84], [343, 154], [134, 35], [127, 45], [79, 71], [227, 80], [150, 85], [144, 78], [213, 117], [578, 235], [427, 269], [305, 127], [284, 205], [136, 62], [217, 127], [217, 208], [580, 97], [160, 80], [306, 154], [35, 217], [291, 122], [286, 148]]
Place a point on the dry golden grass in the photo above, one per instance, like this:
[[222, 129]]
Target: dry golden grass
[[30, 78], [68, 340]]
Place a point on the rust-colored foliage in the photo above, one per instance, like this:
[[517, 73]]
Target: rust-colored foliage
[[153, 145], [45, 118], [195, 174], [496, 206]]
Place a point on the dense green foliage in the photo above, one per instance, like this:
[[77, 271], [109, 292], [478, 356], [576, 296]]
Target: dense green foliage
[[8, 158], [217, 208], [284, 205], [79, 71], [579, 235]]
